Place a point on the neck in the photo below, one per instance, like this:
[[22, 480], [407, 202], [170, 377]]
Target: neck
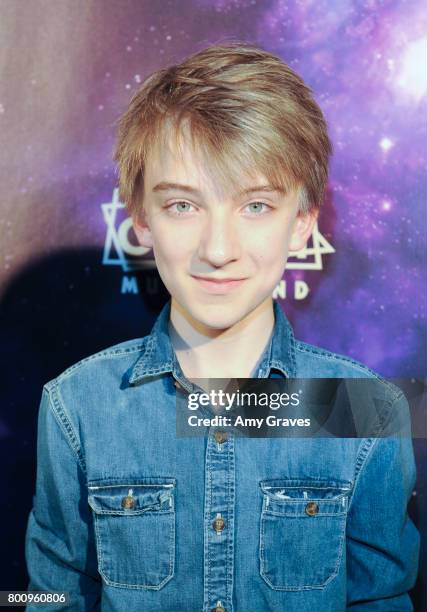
[[234, 352]]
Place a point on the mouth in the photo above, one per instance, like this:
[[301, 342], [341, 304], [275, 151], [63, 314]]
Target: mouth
[[218, 285]]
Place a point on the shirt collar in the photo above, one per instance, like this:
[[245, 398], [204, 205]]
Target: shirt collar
[[158, 356], [280, 352]]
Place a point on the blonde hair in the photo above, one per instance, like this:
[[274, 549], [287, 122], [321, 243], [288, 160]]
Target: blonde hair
[[247, 111]]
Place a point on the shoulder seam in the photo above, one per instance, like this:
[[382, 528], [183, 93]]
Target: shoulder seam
[[59, 413], [367, 450], [362, 459]]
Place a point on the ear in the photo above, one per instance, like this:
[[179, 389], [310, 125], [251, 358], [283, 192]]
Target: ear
[[142, 229], [302, 230]]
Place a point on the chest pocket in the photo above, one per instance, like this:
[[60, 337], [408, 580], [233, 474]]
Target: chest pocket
[[302, 532], [135, 531]]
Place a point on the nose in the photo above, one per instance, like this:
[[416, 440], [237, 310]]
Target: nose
[[219, 240]]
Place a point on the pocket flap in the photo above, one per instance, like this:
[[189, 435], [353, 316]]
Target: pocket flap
[[132, 497], [306, 498]]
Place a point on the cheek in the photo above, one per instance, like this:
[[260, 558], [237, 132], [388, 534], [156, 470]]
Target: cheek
[[270, 248], [171, 246]]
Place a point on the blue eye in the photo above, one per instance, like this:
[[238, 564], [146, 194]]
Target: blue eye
[[259, 207], [181, 207], [184, 204]]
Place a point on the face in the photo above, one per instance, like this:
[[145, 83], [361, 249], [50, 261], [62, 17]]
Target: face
[[220, 253]]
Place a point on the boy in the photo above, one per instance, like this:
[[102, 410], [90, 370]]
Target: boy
[[223, 162]]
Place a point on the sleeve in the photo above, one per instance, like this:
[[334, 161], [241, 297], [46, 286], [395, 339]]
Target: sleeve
[[59, 546], [382, 541]]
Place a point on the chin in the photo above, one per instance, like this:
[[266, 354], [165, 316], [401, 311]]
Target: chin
[[216, 316]]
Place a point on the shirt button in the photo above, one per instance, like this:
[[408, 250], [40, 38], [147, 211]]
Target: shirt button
[[220, 436], [218, 609], [128, 502], [218, 524], [311, 508]]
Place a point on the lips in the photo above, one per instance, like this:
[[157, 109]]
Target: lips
[[217, 280], [218, 286]]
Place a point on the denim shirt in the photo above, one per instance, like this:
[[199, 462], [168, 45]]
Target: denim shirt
[[127, 516]]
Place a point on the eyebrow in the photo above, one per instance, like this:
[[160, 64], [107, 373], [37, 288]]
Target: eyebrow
[[166, 186]]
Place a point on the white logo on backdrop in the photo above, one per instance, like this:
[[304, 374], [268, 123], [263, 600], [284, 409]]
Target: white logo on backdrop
[[120, 250]]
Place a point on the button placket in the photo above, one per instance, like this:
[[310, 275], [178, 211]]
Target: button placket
[[219, 522]]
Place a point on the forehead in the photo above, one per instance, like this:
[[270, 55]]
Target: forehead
[[176, 157]]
